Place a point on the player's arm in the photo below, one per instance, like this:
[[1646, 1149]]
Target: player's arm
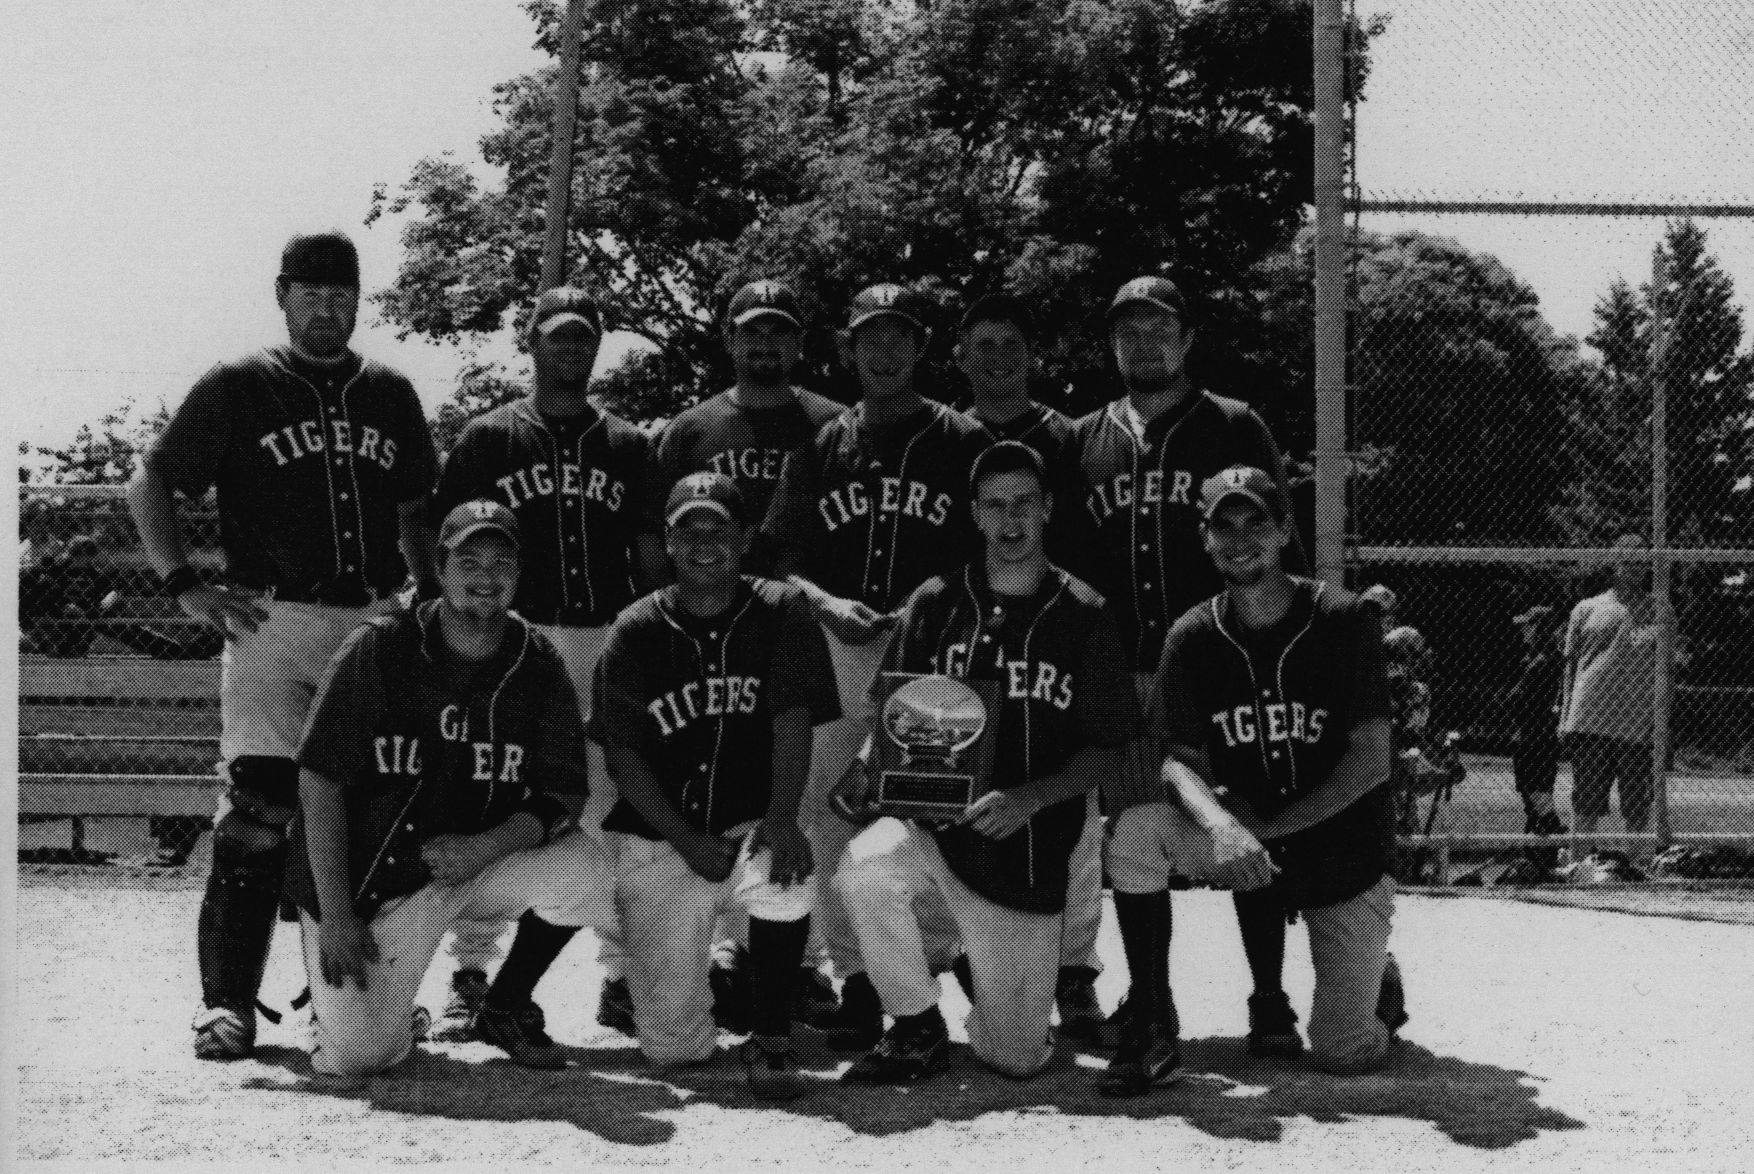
[[453, 859], [1233, 826], [1000, 814], [1361, 769], [710, 856], [230, 609], [344, 940]]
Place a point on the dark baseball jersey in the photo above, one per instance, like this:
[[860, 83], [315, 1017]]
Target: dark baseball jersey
[[311, 463], [1063, 685], [429, 744], [748, 445], [1274, 709], [696, 697], [1141, 506], [578, 485], [873, 513], [1049, 433]]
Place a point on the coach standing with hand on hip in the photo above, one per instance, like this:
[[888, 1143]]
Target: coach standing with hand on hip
[[322, 461]]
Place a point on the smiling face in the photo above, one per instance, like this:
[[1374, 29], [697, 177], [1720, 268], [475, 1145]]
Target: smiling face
[[764, 350], [883, 352], [479, 575], [1011, 509], [1150, 347], [567, 353], [995, 357], [1244, 541], [319, 318], [707, 549]]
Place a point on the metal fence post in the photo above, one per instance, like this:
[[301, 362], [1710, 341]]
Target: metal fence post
[[1664, 313], [1331, 461]]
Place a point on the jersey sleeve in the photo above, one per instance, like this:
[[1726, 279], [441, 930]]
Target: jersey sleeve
[[1370, 678], [791, 517], [418, 467], [462, 477], [618, 700], [801, 673], [558, 764], [338, 730], [1106, 702], [187, 454], [1173, 716]]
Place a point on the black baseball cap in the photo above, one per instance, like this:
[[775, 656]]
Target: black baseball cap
[[562, 304], [1007, 456], [1150, 291], [709, 491], [1000, 307], [472, 517], [887, 300], [765, 299], [320, 258], [1244, 481]]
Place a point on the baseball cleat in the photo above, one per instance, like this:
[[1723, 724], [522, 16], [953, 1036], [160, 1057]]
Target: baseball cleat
[[771, 1067], [857, 1024], [1273, 1028], [912, 1049], [813, 999], [1114, 1028], [615, 1007], [223, 1034], [1146, 1058], [1081, 1015], [521, 1035], [456, 1023]]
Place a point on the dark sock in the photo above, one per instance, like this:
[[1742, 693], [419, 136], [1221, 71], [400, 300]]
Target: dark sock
[[533, 951], [964, 973], [776, 949], [1145, 932], [925, 1019], [1262, 922]]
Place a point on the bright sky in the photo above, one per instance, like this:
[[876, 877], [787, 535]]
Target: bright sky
[[159, 154]]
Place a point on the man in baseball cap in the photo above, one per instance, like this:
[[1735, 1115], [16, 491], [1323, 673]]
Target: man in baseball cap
[[1245, 482], [714, 493], [320, 258], [472, 517], [1148, 291], [765, 299], [887, 300]]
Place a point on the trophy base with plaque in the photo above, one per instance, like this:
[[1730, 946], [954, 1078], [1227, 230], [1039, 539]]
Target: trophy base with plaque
[[934, 746]]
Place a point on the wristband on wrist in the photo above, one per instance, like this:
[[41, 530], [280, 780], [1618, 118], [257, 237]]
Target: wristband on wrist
[[179, 581]]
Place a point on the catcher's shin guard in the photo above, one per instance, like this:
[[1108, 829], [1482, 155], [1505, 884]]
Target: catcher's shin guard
[[243, 889]]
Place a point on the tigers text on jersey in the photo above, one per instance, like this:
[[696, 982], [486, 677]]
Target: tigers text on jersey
[[311, 463], [428, 744], [696, 697], [1140, 506], [870, 515], [748, 445], [579, 487], [1063, 685], [1274, 709]]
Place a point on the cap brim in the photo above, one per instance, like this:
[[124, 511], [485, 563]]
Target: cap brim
[[1142, 300], [554, 322], [749, 316], [699, 503], [1248, 495], [870, 316], [475, 528]]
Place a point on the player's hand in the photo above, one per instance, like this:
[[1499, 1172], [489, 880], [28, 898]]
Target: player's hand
[[999, 814], [235, 611], [1242, 862], [455, 859], [345, 947], [849, 797], [792, 860], [711, 857], [852, 622]]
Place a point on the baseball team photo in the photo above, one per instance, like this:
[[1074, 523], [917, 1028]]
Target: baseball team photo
[[1153, 584]]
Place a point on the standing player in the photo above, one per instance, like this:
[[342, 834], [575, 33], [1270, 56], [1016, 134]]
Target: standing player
[[876, 504], [322, 461], [576, 477], [1144, 457], [706, 699], [993, 350], [1272, 696], [1066, 707], [429, 775]]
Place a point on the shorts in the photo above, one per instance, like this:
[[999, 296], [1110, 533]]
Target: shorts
[[1599, 763]]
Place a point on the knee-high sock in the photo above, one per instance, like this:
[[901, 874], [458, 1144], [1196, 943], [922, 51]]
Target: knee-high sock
[[533, 951], [776, 948], [1262, 921], [1145, 921]]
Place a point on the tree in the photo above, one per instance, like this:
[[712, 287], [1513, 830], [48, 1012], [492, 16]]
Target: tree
[[1054, 147]]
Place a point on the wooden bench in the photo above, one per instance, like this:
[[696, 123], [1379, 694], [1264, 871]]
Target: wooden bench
[[116, 736]]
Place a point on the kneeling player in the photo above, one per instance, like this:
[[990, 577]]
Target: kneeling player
[[1066, 708], [706, 699], [428, 775], [1272, 701]]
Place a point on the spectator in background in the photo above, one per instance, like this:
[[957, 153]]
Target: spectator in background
[[1534, 709], [1609, 694]]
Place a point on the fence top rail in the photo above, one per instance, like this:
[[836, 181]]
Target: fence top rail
[[1552, 208], [1546, 554]]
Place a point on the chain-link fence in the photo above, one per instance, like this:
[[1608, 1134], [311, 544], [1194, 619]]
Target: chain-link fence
[[1551, 434], [118, 691]]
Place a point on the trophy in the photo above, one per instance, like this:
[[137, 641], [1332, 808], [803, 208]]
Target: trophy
[[935, 746]]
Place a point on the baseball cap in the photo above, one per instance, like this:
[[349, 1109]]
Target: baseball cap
[[563, 304], [1381, 596], [1007, 456], [472, 517], [320, 258], [764, 298], [887, 300], [1538, 614], [998, 307], [714, 492], [1152, 291], [1243, 481]]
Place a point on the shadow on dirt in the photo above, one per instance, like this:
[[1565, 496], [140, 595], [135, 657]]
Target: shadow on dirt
[[614, 1094]]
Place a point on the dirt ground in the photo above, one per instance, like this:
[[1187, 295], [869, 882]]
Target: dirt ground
[[1542, 1038]]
